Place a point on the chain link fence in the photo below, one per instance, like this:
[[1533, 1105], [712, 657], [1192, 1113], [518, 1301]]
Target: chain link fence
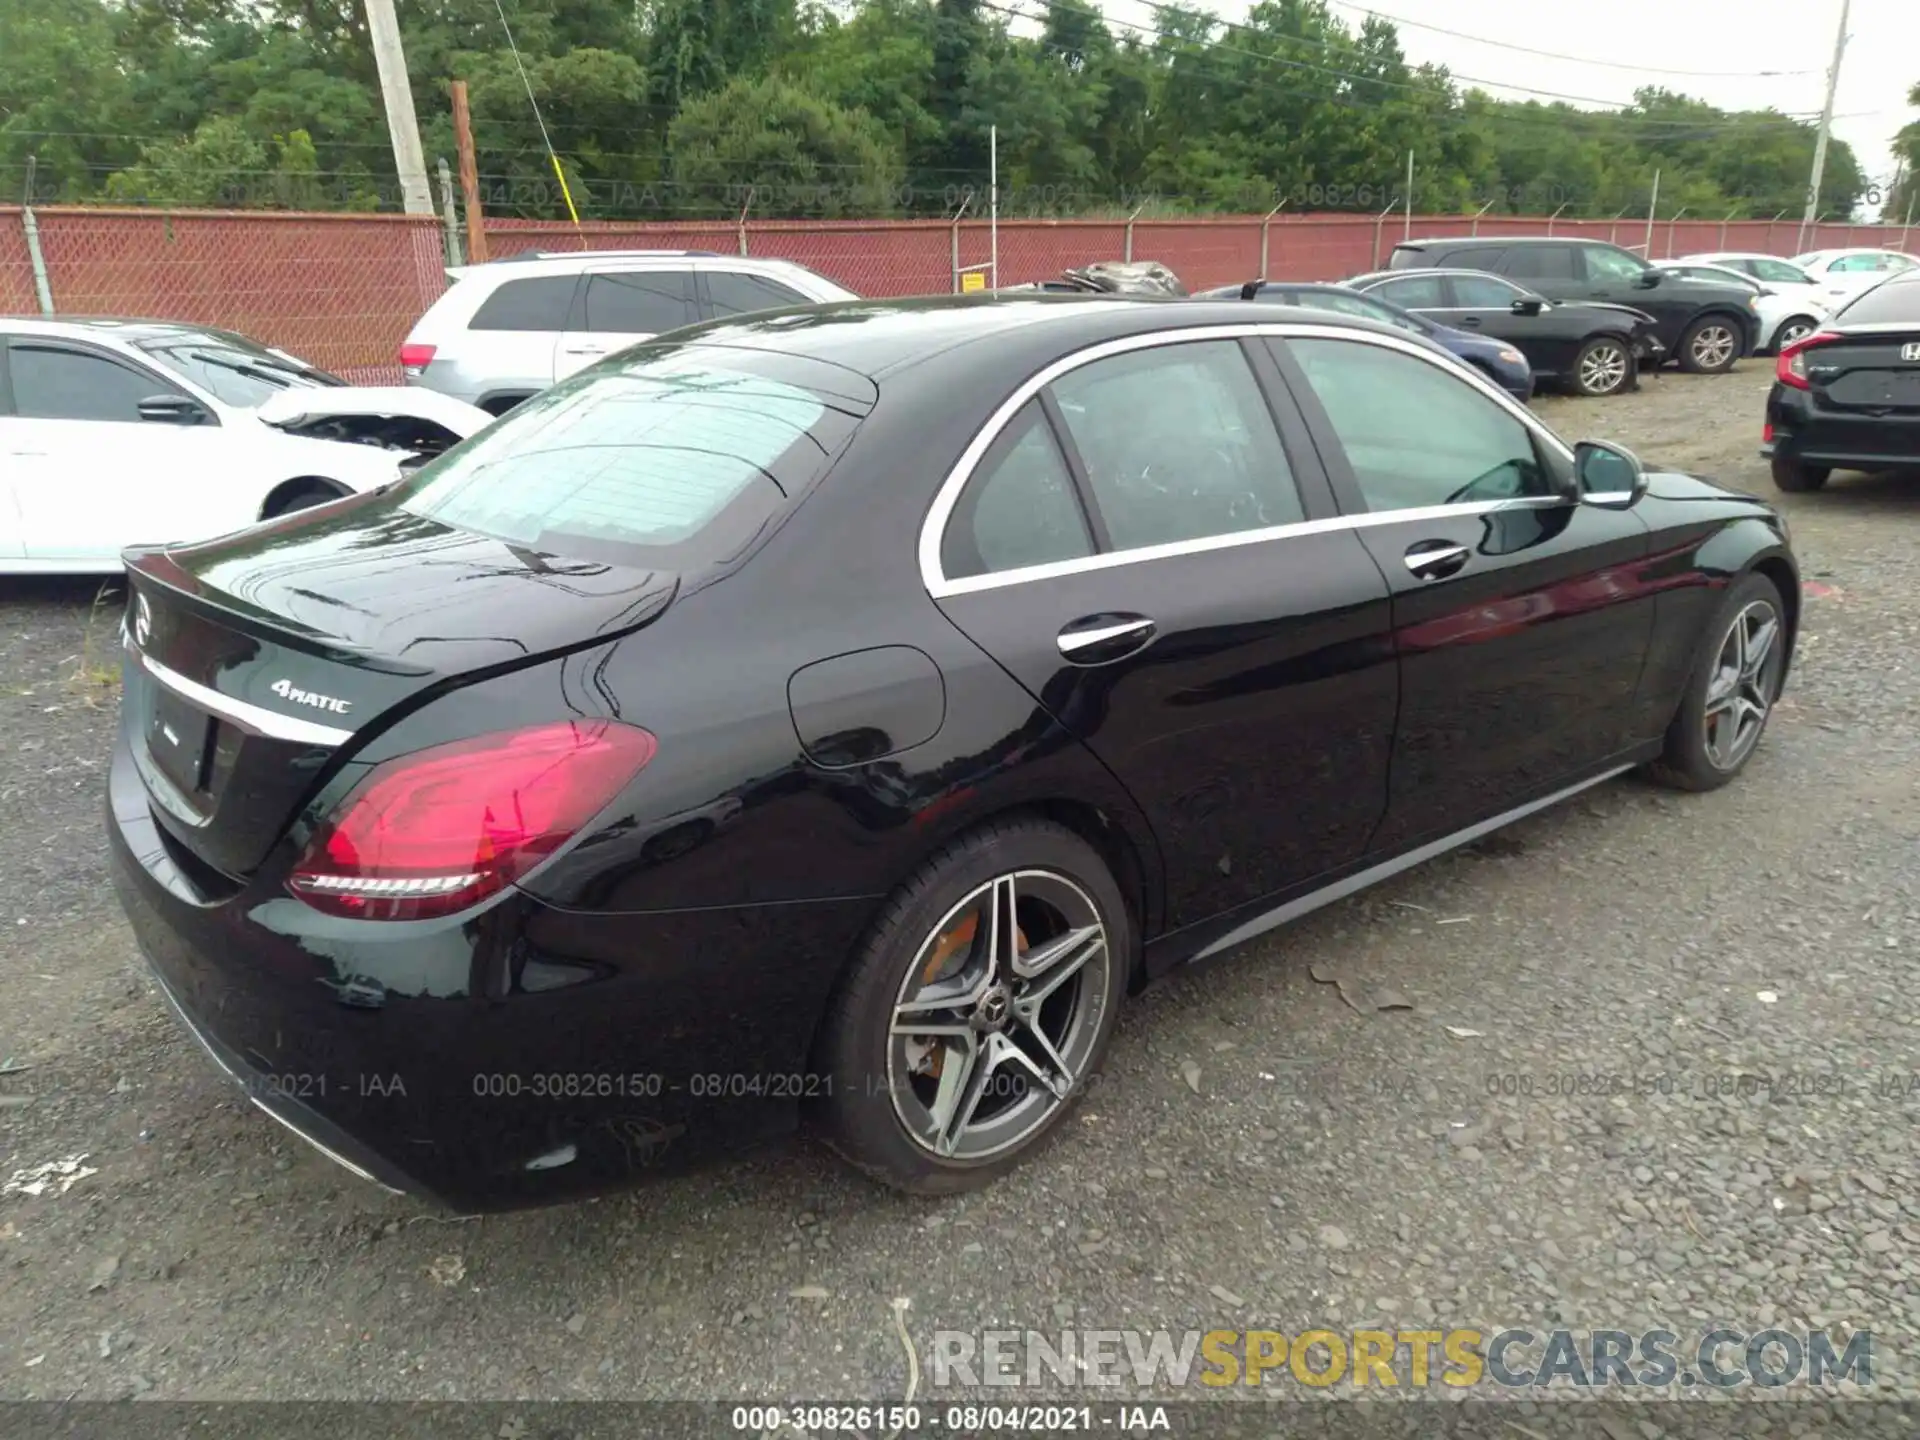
[[343, 290]]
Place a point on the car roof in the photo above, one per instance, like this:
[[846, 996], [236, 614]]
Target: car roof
[[562, 262], [1470, 240], [878, 338], [114, 327], [1429, 271]]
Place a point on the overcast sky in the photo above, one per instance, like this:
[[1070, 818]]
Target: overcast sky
[[1743, 37]]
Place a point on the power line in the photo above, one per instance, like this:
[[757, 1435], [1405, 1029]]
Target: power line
[[1575, 59], [1160, 34]]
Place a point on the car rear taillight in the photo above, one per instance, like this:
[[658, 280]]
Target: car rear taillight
[[414, 359], [1790, 366], [439, 830]]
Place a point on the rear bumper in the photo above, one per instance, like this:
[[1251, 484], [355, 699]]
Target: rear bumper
[[1850, 440], [516, 1056]]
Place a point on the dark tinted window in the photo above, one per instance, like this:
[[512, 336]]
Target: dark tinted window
[[1404, 258], [639, 302], [1415, 292], [1364, 306], [55, 384], [1178, 444], [1538, 262], [1605, 263], [1019, 509], [735, 294], [1413, 433], [1483, 292], [1892, 302], [536, 304], [1778, 271], [1475, 257], [664, 459]]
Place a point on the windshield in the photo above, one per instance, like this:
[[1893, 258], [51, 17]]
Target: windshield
[[236, 373], [661, 457]]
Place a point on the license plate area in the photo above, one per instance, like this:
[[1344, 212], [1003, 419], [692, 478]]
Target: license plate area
[[179, 738], [1878, 389]]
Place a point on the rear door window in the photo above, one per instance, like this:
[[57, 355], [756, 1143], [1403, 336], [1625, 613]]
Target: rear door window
[[1178, 444], [730, 292], [1475, 257], [638, 302], [537, 303], [667, 455], [1538, 262], [1415, 292]]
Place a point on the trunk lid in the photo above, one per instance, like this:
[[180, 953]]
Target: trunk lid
[[254, 660], [1874, 371]]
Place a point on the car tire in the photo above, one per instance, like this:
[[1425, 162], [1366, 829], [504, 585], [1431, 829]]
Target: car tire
[[1794, 327], [1604, 366], [891, 1108], [300, 495], [1735, 682], [1710, 345], [1795, 476]]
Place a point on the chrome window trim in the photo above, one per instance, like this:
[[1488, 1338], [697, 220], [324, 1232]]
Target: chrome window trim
[[252, 719], [933, 528]]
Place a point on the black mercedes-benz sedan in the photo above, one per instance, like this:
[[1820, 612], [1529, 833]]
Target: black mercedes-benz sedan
[[1847, 397], [837, 714]]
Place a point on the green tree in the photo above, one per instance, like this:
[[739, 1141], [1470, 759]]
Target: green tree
[[803, 154]]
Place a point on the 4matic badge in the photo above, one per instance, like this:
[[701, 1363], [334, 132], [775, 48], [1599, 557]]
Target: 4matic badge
[[287, 690]]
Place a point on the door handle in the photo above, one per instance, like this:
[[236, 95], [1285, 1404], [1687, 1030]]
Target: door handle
[[586, 350], [1436, 559], [1101, 639], [1470, 322]]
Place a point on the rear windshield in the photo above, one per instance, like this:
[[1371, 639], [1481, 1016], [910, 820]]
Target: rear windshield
[[662, 458], [1892, 302]]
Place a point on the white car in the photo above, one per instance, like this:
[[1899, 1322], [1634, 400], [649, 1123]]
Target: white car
[[1785, 312], [1843, 274], [127, 432]]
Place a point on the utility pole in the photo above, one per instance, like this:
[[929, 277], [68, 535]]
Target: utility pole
[[408, 158], [469, 175], [1826, 121]]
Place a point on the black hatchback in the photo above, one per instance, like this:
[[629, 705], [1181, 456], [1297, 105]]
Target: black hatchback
[[1847, 397], [836, 714]]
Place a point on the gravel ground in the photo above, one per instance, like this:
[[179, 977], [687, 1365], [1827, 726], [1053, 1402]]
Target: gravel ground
[[1268, 1150]]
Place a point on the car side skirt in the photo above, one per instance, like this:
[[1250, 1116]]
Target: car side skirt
[[1205, 941]]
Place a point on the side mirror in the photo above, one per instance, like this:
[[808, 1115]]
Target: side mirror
[[1526, 305], [1610, 475], [172, 410], [1648, 278]]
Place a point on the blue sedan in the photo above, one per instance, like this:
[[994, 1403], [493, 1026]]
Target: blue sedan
[[1498, 361]]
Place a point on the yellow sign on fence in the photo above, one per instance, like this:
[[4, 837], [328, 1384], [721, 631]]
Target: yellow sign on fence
[[973, 280]]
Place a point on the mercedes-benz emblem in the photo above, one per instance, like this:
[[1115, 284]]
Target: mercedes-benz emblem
[[992, 1011], [142, 620]]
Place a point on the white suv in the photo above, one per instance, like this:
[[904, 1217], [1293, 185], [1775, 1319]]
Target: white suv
[[509, 328]]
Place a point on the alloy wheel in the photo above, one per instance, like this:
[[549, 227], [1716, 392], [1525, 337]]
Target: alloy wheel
[[1746, 676], [1713, 346], [999, 1015], [1790, 332], [1603, 369]]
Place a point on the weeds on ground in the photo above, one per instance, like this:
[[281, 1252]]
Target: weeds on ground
[[95, 680]]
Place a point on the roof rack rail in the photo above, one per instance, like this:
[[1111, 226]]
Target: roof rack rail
[[524, 255]]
